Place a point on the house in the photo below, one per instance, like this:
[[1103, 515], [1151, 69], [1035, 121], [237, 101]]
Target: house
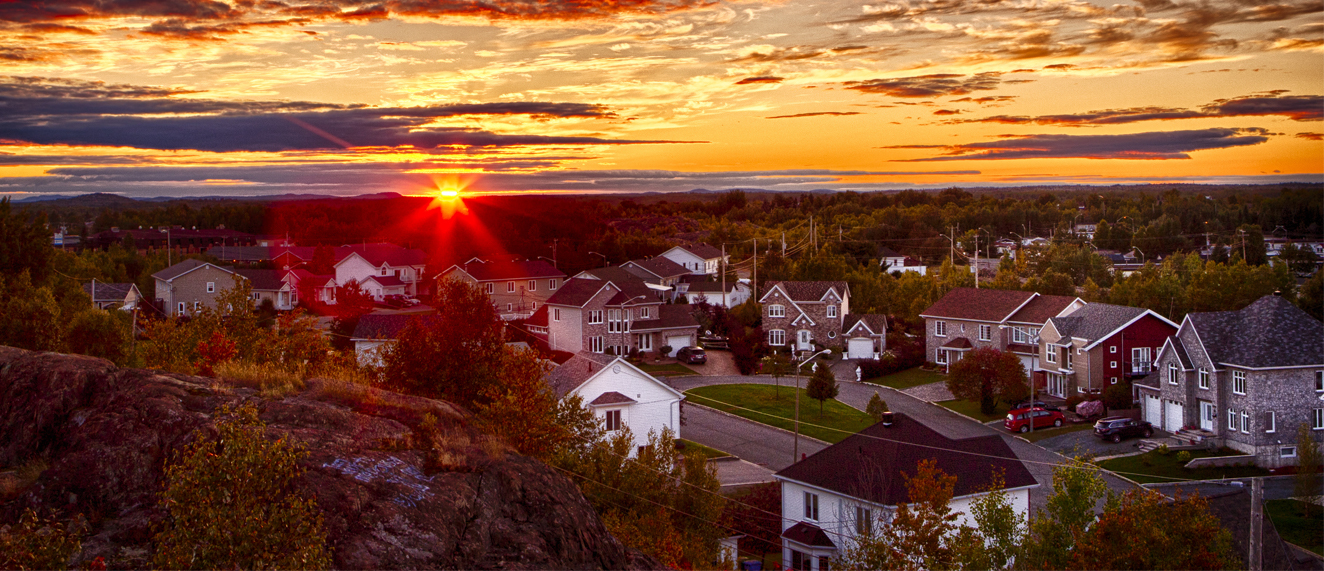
[[1097, 346], [1242, 379], [373, 332], [800, 314], [321, 287], [616, 315], [1007, 320], [866, 335], [620, 394], [392, 268], [659, 270], [891, 260], [710, 292], [699, 259], [517, 289], [270, 285], [621, 275], [106, 295], [185, 288], [843, 491]]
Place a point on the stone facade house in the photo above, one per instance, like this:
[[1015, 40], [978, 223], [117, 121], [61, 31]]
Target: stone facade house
[[616, 315], [856, 486], [798, 315], [1097, 346], [517, 289], [621, 395], [1243, 379], [187, 287], [1007, 320]]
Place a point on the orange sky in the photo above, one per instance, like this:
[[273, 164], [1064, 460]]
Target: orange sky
[[203, 97]]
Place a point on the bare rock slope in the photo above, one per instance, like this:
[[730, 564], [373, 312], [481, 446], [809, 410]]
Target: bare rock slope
[[393, 492]]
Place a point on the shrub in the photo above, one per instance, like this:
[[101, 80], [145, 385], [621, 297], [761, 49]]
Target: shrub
[[1163, 450], [1117, 396], [231, 502], [271, 380], [1183, 457], [38, 543], [1072, 401], [872, 369], [664, 350]]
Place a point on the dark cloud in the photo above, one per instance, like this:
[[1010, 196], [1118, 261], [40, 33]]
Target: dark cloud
[[1295, 107], [760, 79], [1310, 136], [792, 53], [815, 114], [68, 112], [986, 99], [947, 112], [1159, 145], [933, 85]]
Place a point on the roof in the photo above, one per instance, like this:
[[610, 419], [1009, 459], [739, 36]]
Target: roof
[[1268, 333], [979, 304], [512, 270], [1182, 355], [873, 463], [703, 251], [709, 286], [184, 267], [105, 292], [263, 279], [611, 397], [958, 343], [575, 372], [1042, 308], [886, 252], [876, 322], [1097, 321], [383, 326], [539, 317], [661, 267], [809, 534], [576, 292], [630, 285], [668, 317], [808, 291], [386, 281], [379, 253]]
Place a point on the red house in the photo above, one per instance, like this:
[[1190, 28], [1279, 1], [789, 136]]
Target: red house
[[1097, 346]]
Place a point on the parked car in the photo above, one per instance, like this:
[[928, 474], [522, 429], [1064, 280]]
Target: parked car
[[1038, 403], [1115, 428], [412, 301], [1018, 420], [396, 300], [692, 355]]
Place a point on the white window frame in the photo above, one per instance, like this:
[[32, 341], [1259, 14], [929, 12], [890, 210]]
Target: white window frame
[[1172, 374], [1319, 381], [595, 344], [533, 285], [1245, 422], [1317, 419], [510, 307], [777, 337], [776, 310], [811, 506], [1231, 419], [940, 357], [1112, 364], [1204, 378], [197, 306], [863, 520], [613, 321], [1018, 335], [182, 308], [939, 328], [985, 332], [1238, 382], [510, 287], [556, 314], [1050, 353], [595, 316], [832, 310], [551, 284], [1287, 452], [1270, 421], [211, 287], [1070, 358], [1112, 350], [491, 288], [611, 420], [645, 312]]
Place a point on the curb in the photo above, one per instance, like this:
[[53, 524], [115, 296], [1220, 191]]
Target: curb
[[724, 413]]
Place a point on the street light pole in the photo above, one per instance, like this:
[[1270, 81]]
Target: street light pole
[[795, 454], [605, 263]]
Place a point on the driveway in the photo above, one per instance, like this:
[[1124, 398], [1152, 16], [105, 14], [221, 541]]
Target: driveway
[[1084, 443], [720, 364], [1039, 461]]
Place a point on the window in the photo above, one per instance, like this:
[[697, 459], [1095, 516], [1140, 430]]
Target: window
[[551, 284], [1204, 378], [181, 307], [1270, 422], [1239, 382], [1068, 357], [776, 337], [985, 332], [941, 357], [1231, 419], [1113, 350], [863, 520], [197, 305], [510, 287], [1245, 422], [613, 321], [1319, 381], [1050, 353], [385, 271], [776, 311], [1018, 335], [940, 328], [211, 287], [1287, 452], [1113, 381], [1112, 364], [595, 316], [491, 288], [832, 310], [613, 419], [811, 506], [645, 313], [533, 285], [256, 296], [1317, 419], [595, 344], [556, 314], [1172, 373], [510, 307]]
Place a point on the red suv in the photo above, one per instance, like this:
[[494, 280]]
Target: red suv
[[1019, 420]]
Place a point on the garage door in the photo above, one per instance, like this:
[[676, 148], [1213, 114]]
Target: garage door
[[677, 343], [1172, 417], [859, 349], [1153, 414]]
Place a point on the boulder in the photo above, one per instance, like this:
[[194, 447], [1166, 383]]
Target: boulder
[[403, 482]]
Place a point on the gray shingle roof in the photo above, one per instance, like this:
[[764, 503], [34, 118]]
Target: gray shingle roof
[[383, 326], [809, 291], [107, 292], [704, 251], [574, 372], [266, 280], [182, 268], [1268, 333], [512, 270], [668, 317], [876, 322], [662, 267], [611, 397], [1095, 321], [576, 292], [1041, 309]]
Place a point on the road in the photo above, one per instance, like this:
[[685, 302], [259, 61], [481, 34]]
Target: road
[[762, 442], [746, 439]]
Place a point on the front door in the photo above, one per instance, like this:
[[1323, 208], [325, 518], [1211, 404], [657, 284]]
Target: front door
[[645, 342], [802, 341], [1207, 416]]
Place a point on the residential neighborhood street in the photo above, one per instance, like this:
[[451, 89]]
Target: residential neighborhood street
[[746, 439]]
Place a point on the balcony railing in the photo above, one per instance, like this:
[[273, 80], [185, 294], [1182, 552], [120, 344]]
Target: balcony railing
[[1141, 367]]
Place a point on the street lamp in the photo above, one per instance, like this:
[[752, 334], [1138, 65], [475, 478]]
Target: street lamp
[[550, 260], [795, 454], [604, 259]]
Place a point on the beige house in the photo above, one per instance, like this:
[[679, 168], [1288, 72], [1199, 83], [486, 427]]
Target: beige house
[[187, 287]]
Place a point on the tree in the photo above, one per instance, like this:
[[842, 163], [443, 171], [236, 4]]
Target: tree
[[999, 530], [822, 386], [778, 365], [877, 406], [213, 351], [1309, 465], [352, 303], [29, 315], [1301, 260], [232, 501], [453, 355], [918, 537], [99, 333], [525, 412], [986, 375], [1311, 299], [754, 512], [1055, 531], [1146, 531], [25, 244], [323, 262]]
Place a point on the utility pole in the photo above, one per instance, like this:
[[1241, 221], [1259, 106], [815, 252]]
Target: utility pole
[[725, 302], [977, 271], [1255, 547], [554, 241], [169, 252], [783, 244]]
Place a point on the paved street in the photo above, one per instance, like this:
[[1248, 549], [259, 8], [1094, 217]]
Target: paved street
[[760, 441]]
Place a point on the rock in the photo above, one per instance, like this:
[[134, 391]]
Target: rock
[[394, 494]]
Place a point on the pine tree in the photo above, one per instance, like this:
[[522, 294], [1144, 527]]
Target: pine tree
[[822, 386]]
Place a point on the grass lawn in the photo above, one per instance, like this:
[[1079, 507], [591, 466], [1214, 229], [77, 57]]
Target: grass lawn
[[1162, 468], [971, 409], [908, 378], [667, 370], [707, 452], [1042, 433], [759, 403], [1307, 532]]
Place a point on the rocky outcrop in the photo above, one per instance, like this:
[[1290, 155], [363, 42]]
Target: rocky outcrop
[[403, 482]]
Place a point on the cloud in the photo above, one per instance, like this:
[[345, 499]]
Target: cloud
[[760, 79], [1295, 107], [815, 114], [1310, 136], [947, 112], [933, 85], [1159, 145]]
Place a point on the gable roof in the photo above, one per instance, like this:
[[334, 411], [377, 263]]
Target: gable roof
[[539, 317], [872, 464], [1271, 332], [661, 267], [102, 292], [524, 270], [1097, 322], [875, 323], [630, 285], [806, 533], [702, 250], [576, 292], [264, 280], [668, 317], [581, 368], [886, 252], [185, 267], [379, 253], [1041, 308], [809, 291], [385, 281], [710, 286], [979, 304]]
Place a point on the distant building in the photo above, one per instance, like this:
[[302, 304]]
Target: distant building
[[621, 395], [697, 258], [189, 286], [517, 289], [107, 295]]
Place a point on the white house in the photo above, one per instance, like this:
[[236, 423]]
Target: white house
[[710, 292], [619, 394], [393, 268], [699, 259], [373, 332], [855, 485]]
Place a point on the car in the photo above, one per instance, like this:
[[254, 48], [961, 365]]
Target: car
[[412, 302], [692, 355], [1018, 420], [1038, 403], [1115, 428], [395, 300]]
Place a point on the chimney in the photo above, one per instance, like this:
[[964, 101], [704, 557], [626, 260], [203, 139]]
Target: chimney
[[889, 418], [1277, 293]]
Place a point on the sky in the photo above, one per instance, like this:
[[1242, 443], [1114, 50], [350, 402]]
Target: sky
[[151, 98]]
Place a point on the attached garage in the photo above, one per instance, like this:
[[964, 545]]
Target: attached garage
[[1172, 416], [1153, 412], [859, 348], [678, 342]]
